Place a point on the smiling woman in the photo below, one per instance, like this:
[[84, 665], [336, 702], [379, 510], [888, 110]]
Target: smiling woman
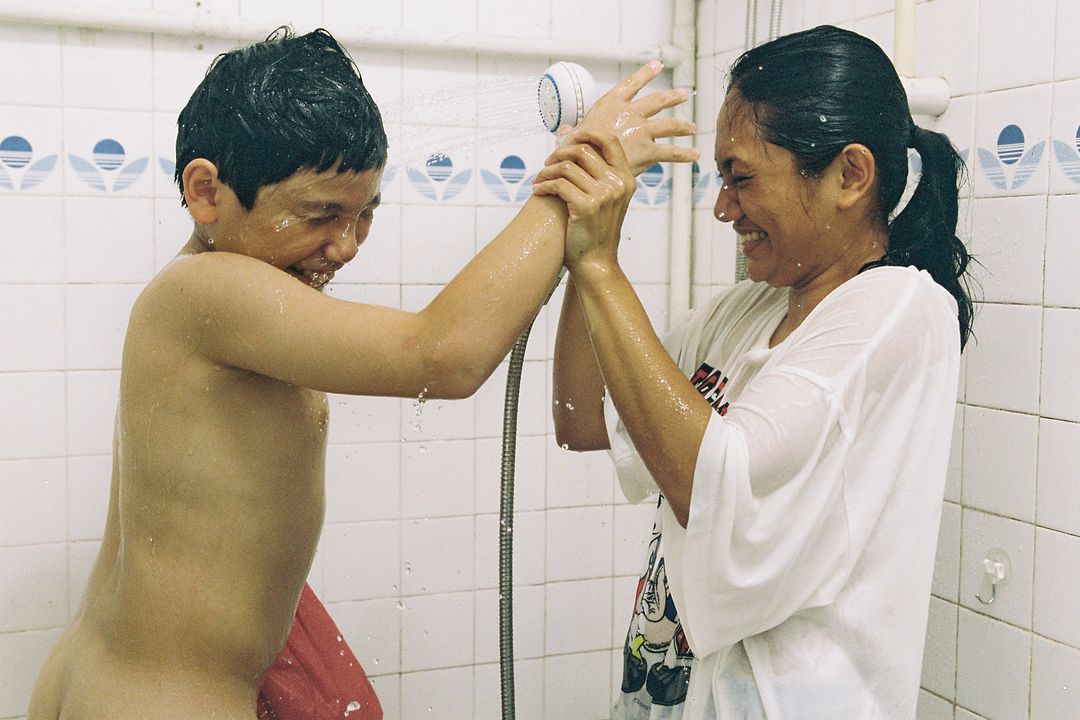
[[773, 421]]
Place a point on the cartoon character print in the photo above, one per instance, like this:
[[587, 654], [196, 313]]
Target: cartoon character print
[[656, 655], [655, 634]]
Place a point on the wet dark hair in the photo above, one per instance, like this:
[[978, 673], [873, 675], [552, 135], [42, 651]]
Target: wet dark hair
[[815, 92], [288, 103]]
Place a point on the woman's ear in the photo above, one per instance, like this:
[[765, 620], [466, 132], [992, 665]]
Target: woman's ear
[[858, 174], [200, 190]]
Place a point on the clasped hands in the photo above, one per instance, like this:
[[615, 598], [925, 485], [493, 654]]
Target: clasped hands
[[593, 168]]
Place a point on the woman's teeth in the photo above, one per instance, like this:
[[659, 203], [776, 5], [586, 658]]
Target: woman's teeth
[[752, 237]]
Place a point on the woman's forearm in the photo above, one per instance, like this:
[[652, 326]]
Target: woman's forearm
[[665, 417]]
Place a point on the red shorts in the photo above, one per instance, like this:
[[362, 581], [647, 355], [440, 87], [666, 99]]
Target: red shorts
[[316, 676]]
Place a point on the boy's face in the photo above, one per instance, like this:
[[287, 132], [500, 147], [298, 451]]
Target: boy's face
[[309, 224]]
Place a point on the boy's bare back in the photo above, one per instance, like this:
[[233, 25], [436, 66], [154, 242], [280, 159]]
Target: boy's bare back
[[217, 495]]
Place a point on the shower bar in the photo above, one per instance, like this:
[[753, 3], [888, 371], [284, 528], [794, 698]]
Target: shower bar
[[246, 29]]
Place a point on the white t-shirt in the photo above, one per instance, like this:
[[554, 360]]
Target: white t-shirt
[[802, 579]]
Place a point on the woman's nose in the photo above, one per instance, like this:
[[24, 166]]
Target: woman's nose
[[726, 208]]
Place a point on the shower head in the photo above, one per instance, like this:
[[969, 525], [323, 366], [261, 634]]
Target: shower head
[[566, 92]]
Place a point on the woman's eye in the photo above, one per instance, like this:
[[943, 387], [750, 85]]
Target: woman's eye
[[322, 220]]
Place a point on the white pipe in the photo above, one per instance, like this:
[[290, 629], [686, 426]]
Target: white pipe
[[243, 29], [926, 96], [904, 38], [684, 38]]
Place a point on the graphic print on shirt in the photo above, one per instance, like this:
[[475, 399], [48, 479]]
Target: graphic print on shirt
[[654, 629], [711, 383]]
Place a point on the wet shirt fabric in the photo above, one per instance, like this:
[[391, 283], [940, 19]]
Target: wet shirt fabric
[[800, 586], [316, 676]]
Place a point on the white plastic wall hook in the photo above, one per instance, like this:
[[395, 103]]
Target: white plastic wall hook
[[997, 565]]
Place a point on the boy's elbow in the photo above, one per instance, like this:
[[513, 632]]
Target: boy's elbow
[[571, 436], [456, 375]]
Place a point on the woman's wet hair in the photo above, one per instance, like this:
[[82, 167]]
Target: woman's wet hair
[[285, 104], [817, 91]]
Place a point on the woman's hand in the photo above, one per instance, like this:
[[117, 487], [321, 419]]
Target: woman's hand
[[633, 120], [593, 178]]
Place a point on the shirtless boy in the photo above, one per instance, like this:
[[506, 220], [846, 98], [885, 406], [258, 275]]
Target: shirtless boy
[[217, 492]]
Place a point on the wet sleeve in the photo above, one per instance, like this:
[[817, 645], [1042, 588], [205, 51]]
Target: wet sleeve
[[770, 525]]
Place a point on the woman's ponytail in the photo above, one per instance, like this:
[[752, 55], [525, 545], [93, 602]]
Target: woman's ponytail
[[924, 233]]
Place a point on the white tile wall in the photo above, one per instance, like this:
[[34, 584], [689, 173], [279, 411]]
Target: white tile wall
[[1061, 341], [577, 686], [108, 70], [1007, 241], [1057, 586], [992, 667], [1007, 336], [1027, 110], [939, 668], [569, 629], [437, 631], [983, 534], [1011, 53], [1059, 476], [1062, 261], [946, 584], [999, 462], [437, 693], [1055, 689]]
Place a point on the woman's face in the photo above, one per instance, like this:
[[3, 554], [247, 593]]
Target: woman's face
[[784, 221]]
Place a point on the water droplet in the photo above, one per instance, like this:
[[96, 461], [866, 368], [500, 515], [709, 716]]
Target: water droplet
[[354, 706], [400, 605], [408, 568], [565, 446], [339, 639], [569, 407], [822, 118]]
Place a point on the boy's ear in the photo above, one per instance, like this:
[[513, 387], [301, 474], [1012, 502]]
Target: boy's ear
[[200, 190], [858, 171]]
